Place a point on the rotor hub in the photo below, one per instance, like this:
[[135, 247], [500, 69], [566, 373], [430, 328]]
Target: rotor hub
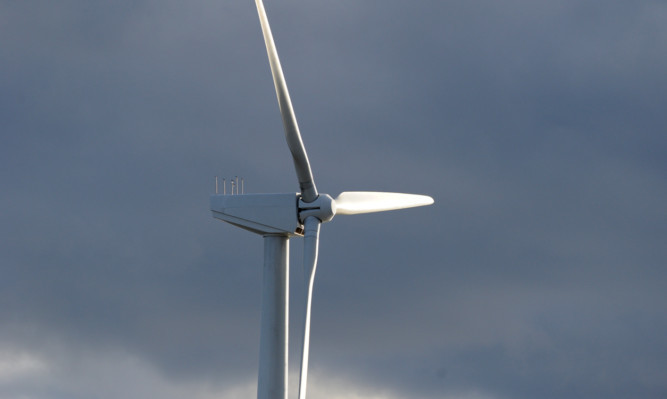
[[323, 208]]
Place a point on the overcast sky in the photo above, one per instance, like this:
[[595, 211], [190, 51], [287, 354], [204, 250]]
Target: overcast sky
[[539, 127]]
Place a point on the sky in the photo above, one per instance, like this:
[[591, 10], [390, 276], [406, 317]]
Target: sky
[[539, 128]]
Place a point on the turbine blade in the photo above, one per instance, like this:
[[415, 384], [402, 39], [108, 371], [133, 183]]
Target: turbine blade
[[355, 202], [310, 248], [294, 142]]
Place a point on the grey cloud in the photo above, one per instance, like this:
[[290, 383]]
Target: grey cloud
[[537, 127]]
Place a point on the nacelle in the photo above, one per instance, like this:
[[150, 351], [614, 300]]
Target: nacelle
[[263, 214]]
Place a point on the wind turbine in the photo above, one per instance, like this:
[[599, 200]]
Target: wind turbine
[[278, 217]]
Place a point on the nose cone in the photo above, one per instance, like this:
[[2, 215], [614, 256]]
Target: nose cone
[[328, 207]]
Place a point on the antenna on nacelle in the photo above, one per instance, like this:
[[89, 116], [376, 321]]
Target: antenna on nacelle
[[238, 186]]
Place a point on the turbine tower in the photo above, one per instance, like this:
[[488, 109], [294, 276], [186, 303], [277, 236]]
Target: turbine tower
[[279, 217]]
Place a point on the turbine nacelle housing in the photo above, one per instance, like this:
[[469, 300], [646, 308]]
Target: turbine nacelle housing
[[263, 214]]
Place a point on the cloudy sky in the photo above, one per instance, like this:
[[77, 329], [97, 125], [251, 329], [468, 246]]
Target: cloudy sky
[[539, 127]]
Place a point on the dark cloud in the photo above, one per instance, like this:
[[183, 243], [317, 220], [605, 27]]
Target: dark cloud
[[537, 127]]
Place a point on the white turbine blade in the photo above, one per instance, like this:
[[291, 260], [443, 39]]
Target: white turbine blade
[[294, 142], [310, 248], [355, 202]]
